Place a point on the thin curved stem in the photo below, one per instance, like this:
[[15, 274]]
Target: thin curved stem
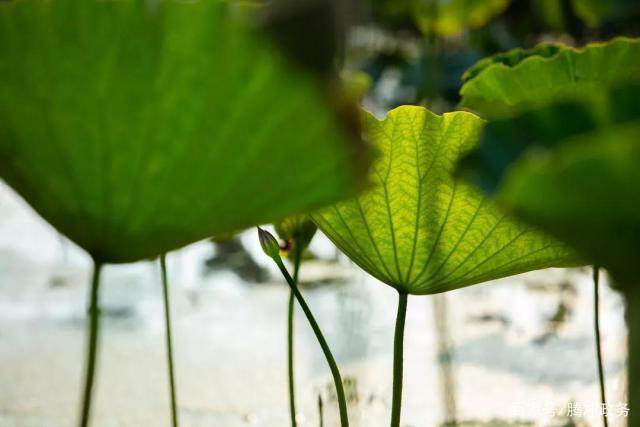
[[337, 379], [398, 356], [596, 326], [167, 319], [290, 317], [93, 327]]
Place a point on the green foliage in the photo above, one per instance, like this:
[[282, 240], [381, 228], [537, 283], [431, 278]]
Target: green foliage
[[418, 228], [598, 12], [511, 58], [518, 80], [573, 174], [440, 17], [450, 17], [296, 229], [136, 127], [565, 162], [505, 140], [587, 193]]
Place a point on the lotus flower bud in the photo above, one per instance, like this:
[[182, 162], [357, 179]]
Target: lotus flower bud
[[269, 244]]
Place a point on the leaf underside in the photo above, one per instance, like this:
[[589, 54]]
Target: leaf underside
[[137, 127], [418, 228]]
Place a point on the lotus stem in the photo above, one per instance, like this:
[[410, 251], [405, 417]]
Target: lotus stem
[[290, 365], [337, 379], [320, 410], [93, 327], [167, 319], [596, 326], [398, 356]]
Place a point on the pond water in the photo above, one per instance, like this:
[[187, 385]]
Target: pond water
[[520, 349]]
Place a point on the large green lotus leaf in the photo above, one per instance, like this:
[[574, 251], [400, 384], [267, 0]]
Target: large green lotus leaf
[[565, 171], [449, 17], [418, 228], [136, 127], [519, 80]]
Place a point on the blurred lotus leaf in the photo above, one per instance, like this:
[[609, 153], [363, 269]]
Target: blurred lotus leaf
[[392, 11], [449, 17], [356, 84], [421, 230], [440, 17], [573, 172], [597, 12], [137, 127], [519, 80]]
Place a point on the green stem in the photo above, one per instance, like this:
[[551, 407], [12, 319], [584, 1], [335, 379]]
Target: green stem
[[596, 325], [632, 294], [398, 355], [290, 312], [337, 379], [320, 410], [93, 326], [167, 319], [292, 393]]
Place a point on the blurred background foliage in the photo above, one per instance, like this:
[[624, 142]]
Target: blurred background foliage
[[416, 51]]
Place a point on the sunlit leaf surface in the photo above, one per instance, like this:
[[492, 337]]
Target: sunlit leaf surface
[[508, 83], [420, 230], [136, 127]]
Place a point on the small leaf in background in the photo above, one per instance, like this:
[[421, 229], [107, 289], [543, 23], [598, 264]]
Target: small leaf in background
[[450, 17], [418, 228], [519, 80], [296, 230], [135, 129], [443, 18]]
